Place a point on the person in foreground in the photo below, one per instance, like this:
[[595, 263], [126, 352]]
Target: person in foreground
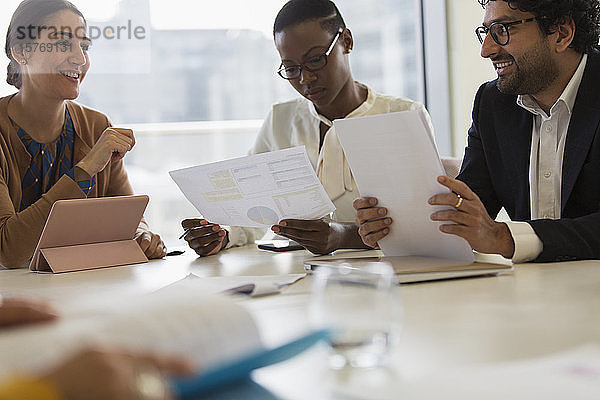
[[90, 374], [314, 44], [534, 146], [51, 147]]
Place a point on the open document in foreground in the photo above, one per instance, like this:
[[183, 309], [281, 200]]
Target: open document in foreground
[[256, 191], [215, 333], [393, 157]]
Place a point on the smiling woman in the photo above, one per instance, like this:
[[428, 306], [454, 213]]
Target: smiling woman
[[51, 147]]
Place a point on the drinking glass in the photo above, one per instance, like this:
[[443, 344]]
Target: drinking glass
[[361, 307]]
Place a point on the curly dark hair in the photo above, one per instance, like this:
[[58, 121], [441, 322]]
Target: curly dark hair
[[584, 13]]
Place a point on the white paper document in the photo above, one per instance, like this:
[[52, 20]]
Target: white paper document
[[181, 321], [256, 191], [254, 286], [393, 157]]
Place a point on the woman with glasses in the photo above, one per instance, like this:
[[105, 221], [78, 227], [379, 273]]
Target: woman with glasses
[[315, 45], [52, 148]]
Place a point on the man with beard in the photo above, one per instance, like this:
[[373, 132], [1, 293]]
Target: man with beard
[[534, 145]]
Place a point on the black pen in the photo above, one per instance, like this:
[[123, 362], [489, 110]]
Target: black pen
[[185, 232]]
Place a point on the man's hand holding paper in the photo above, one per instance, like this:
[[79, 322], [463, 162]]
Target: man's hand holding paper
[[373, 225], [403, 144], [470, 220]]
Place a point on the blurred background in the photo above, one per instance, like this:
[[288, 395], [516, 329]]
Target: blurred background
[[195, 78]]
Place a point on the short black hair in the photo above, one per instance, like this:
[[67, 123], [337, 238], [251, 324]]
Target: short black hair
[[550, 13], [298, 11]]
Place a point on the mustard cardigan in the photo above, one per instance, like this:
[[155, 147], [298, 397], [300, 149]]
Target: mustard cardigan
[[20, 231]]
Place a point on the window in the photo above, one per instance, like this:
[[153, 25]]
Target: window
[[197, 83]]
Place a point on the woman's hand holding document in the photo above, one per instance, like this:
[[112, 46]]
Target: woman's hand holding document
[[403, 179], [256, 191]]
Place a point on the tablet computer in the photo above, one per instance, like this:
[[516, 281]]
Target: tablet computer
[[90, 233]]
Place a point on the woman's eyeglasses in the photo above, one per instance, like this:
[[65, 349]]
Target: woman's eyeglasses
[[313, 64]]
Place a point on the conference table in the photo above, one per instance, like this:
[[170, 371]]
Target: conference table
[[456, 334]]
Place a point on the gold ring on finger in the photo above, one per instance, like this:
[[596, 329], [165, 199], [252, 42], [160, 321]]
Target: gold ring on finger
[[459, 203]]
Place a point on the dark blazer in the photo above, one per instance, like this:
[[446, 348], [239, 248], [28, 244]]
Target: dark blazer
[[496, 167]]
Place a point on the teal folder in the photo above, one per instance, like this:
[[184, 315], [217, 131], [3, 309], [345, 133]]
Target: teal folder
[[240, 369]]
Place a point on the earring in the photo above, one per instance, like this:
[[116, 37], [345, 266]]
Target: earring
[[23, 62]]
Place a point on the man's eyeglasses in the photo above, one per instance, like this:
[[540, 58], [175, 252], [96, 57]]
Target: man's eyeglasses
[[499, 31], [313, 64]]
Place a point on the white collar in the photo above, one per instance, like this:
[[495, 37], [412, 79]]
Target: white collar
[[567, 97], [360, 110]]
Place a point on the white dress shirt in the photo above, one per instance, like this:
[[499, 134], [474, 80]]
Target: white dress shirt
[[545, 166], [297, 123]]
